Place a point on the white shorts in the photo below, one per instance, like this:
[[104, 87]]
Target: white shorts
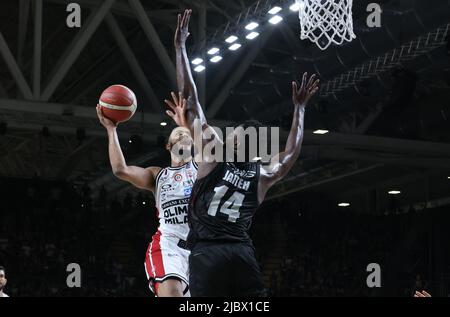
[[166, 260]]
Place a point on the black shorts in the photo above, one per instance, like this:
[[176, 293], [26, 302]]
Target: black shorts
[[224, 270]]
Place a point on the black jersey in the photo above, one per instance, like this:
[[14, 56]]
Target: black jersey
[[223, 203]]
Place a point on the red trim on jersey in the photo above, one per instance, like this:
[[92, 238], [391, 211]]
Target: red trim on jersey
[[156, 255], [154, 264], [148, 266]]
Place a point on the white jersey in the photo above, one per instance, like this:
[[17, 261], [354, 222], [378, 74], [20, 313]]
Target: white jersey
[[3, 295], [173, 191]]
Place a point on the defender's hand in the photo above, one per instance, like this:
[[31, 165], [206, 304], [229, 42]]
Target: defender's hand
[[178, 109], [182, 31], [302, 95]]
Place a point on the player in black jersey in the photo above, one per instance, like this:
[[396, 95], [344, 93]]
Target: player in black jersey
[[227, 194]]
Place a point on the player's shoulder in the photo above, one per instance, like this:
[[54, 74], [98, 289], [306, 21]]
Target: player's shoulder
[[158, 172], [4, 295], [154, 169]]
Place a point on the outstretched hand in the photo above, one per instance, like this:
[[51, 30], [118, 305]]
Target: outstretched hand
[[178, 109], [302, 95], [182, 31]]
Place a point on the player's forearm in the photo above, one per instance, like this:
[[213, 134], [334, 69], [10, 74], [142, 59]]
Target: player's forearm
[[291, 153], [116, 158], [295, 138], [187, 86], [185, 79]]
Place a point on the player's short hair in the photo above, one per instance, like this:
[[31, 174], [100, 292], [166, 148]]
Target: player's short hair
[[257, 125], [251, 123]]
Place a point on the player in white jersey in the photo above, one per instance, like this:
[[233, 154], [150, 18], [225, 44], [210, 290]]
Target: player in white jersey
[[166, 262], [167, 255]]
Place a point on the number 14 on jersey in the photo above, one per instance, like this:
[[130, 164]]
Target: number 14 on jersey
[[229, 207]]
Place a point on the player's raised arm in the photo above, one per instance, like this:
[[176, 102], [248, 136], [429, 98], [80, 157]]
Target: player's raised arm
[[282, 163], [185, 80], [194, 115], [143, 178]]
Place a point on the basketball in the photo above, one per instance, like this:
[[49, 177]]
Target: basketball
[[118, 103]]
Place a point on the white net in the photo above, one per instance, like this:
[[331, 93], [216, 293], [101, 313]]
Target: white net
[[326, 21]]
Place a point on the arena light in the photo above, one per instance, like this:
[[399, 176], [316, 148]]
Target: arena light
[[231, 39], [252, 35], [197, 61], [275, 10], [213, 51], [394, 192], [163, 124], [235, 47], [251, 26], [321, 132], [276, 19], [199, 68], [344, 205], [295, 7], [136, 142], [216, 59]]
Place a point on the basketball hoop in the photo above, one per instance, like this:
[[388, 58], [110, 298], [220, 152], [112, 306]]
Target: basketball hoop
[[326, 21]]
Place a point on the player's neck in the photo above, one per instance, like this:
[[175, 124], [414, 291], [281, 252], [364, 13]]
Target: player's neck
[[178, 163]]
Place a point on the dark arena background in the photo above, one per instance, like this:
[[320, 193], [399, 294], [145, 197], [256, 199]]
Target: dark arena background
[[364, 212]]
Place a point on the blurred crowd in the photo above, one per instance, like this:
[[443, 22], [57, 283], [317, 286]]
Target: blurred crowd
[[327, 251], [44, 226]]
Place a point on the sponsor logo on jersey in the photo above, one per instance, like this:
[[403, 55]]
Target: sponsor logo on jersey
[[163, 179], [188, 183], [244, 174], [187, 191], [168, 188], [175, 202], [178, 177]]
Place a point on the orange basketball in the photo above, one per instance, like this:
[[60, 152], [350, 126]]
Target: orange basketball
[[118, 103]]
